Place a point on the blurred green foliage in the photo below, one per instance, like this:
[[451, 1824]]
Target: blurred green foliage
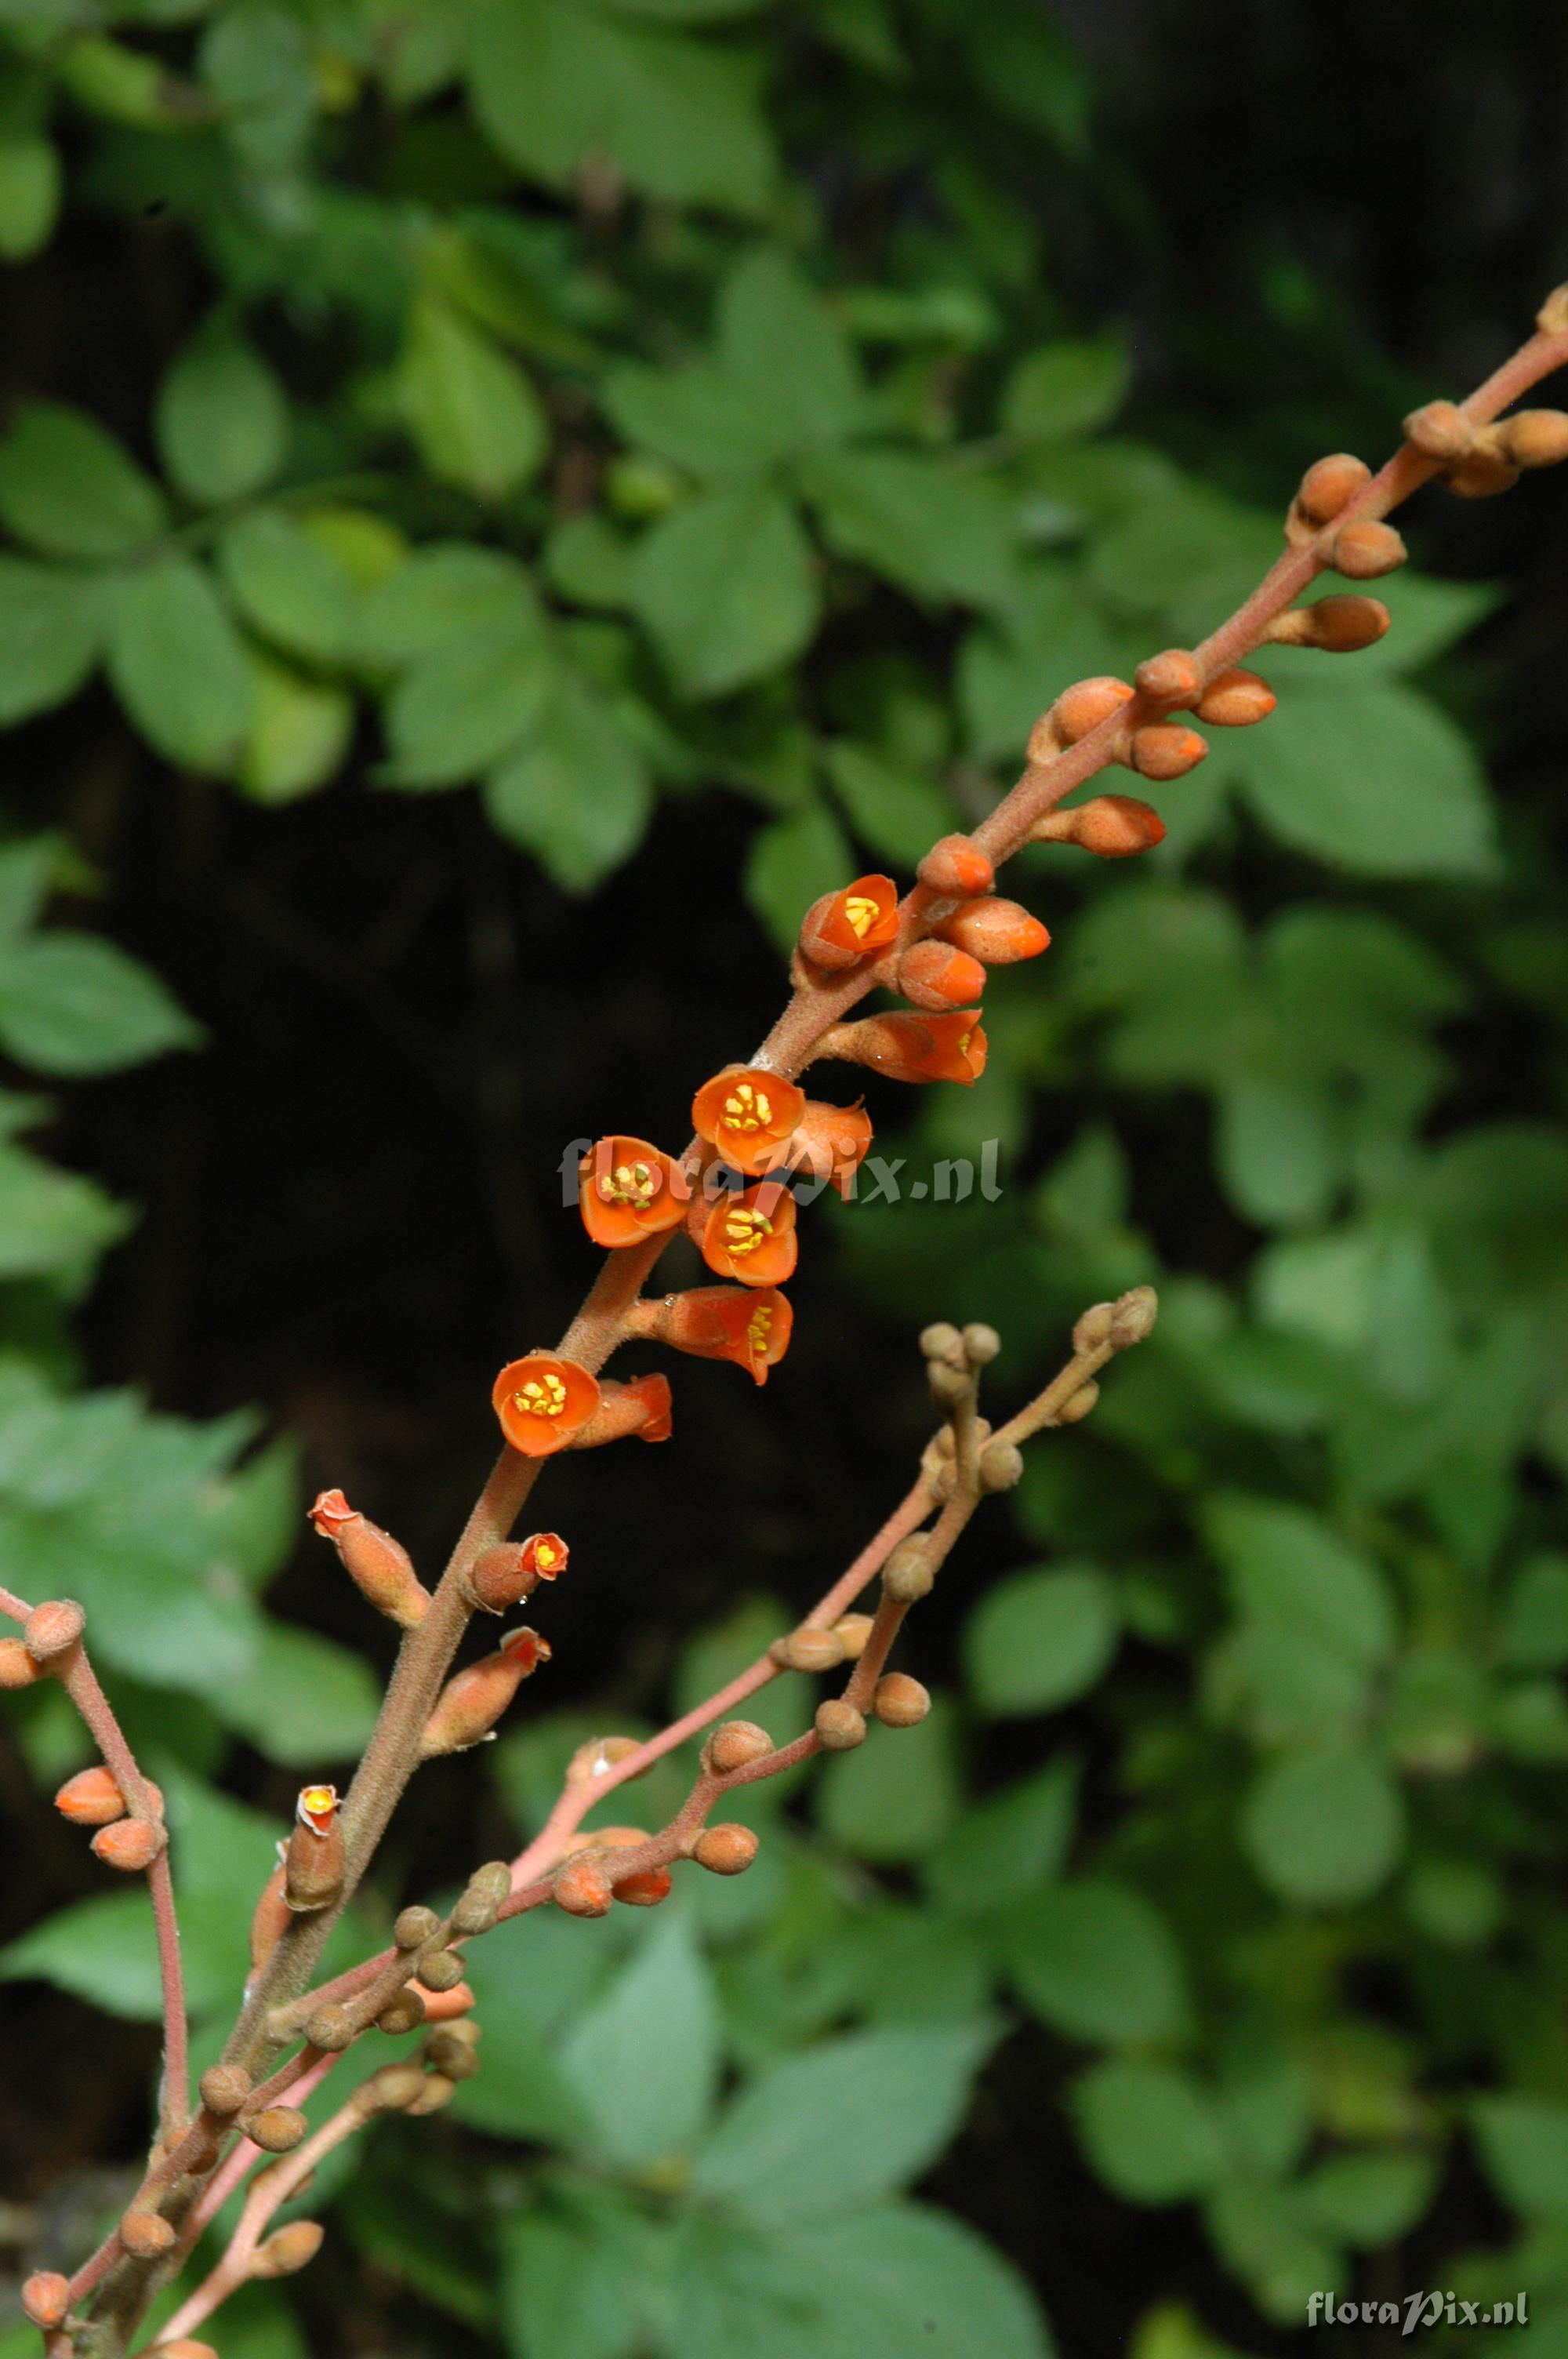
[[539, 435]]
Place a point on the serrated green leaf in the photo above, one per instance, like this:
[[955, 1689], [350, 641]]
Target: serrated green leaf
[[1377, 780], [73, 1003]]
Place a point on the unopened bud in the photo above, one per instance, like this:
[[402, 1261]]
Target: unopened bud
[[852, 1630], [1134, 1317], [332, 2028], [942, 1340], [186, 2347], [600, 1755], [499, 1580], [391, 2089], [1078, 1406], [948, 1385], [807, 1649], [1092, 1331], [1113, 827], [981, 1343], [1237, 700], [90, 1798], [839, 1727], [1364, 551], [404, 2011], [460, 2035], [725, 1850], [1330, 485], [736, 1743], [45, 2296], [1076, 712], [52, 1629], [1439, 430], [146, 2234], [472, 1702], [645, 1888], [1535, 438], [1170, 679], [933, 975], [458, 2059], [17, 1667], [440, 1970], [1483, 475], [130, 1844], [956, 866], [448, 2005], [276, 2129], [997, 932], [1553, 317], [487, 1888], [1000, 1466], [582, 1888], [414, 1927], [380, 1567], [1166, 750], [439, 2088], [287, 2249], [908, 1573], [899, 1701], [224, 2088]]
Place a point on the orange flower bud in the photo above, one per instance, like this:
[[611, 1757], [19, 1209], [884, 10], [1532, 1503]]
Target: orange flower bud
[[937, 977], [1166, 750], [90, 1798], [830, 1142], [852, 1630], [1535, 438], [1113, 827], [747, 1115], [726, 1849], [582, 1888], [839, 1727], [751, 1237], [473, 1700], [448, 2005], [186, 2348], [278, 2129], [313, 1863], [287, 2249], [1235, 699], [380, 1567], [1170, 679], [750, 1326], [899, 1701], [45, 2297], [1340, 625], [510, 1571], [913, 1048], [1331, 486], [628, 1190], [129, 1844], [271, 1920], [1076, 712], [224, 2088], [1482, 475], [808, 1648], [52, 1629], [1439, 430], [999, 932], [641, 1407], [843, 928], [957, 865], [1364, 551], [542, 1402], [146, 2234], [734, 1745], [600, 1754], [645, 1888], [18, 1668]]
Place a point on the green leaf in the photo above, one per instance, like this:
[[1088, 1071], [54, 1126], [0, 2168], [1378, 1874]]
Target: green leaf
[[524, 2091], [1370, 2199], [1376, 780], [50, 1219], [784, 347], [700, 417], [288, 587], [841, 2125], [1097, 1961], [68, 488], [941, 534], [1040, 1639], [222, 421], [791, 863], [72, 1003], [179, 666], [576, 794], [301, 730], [447, 594], [1533, 1634], [1149, 2129], [102, 1950], [1523, 2142], [1006, 1847], [1287, 1568], [309, 1703], [1279, 1149], [49, 626], [471, 409], [905, 2277], [895, 1796], [900, 814], [645, 2058], [725, 588], [30, 183], [464, 707], [1325, 1828], [571, 2277], [553, 83], [1067, 388]]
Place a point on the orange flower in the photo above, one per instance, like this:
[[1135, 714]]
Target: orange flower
[[750, 1326], [844, 928], [748, 1115], [629, 1190], [913, 1048], [544, 1554], [542, 1402], [317, 1807], [830, 1142], [935, 975], [995, 931], [752, 1235], [641, 1407]]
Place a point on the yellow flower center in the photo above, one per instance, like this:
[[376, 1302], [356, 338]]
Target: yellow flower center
[[545, 1556], [747, 1108], [757, 1329], [744, 1229], [630, 1183], [862, 913], [964, 1044], [540, 1397]]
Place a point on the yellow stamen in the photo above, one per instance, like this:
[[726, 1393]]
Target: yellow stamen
[[545, 1398], [545, 1556], [747, 1108], [861, 915], [745, 1228], [761, 1320], [631, 1184]]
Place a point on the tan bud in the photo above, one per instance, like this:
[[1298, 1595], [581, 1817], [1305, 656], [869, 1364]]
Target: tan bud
[[17, 1667], [52, 1629], [440, 1970], [130, 1844], [1113, 827], [1330, 485], [473, 1700], [981, 1343], [404, 2011], [1078, 1406], [1340, 625], [582, 1888], [1170, 679], [90, 1798], [501, 1579], [1000, 1466], [1077, 711], [899, 1701], [332, 2028], [462, 2035], [1166, 749], [807, 1649], [956, 867], [1134, 1318], [224, 2088], [414, 1927], [1553, 317], [599, 1754], [1439, 430], [736, 1743], [314, 1864], [1093, 1329], [725, 1850], [287, 2249], [459, 2060], [909, 1573], [146, 2234], [1535, 438], [45, 2296], [391, 2089], [278, 2129], [852, 1630], [480, 1905], [948, 1386], [439, 2088], [1237, 700], [942, 1340], [1364, 551], [839, 1727], [1482, 476]]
